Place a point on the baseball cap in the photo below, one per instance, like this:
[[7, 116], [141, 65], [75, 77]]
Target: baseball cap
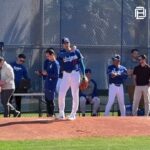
[[143, 56], [88, 70], [65, 40], [116, 57]]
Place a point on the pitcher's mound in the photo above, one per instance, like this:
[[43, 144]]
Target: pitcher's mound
[[45, 128]]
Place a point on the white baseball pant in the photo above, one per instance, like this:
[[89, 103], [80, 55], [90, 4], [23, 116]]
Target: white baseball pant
[[58, 85], [95, 101], [137, 97], [69, 80], [113, 92]]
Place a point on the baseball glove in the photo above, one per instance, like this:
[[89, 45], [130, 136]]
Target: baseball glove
[[83, 84]]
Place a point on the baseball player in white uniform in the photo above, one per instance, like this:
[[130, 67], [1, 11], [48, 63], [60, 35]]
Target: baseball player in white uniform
[[117, 74], [71, 62]]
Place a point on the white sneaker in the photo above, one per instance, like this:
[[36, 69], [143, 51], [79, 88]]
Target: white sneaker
[[71, 117], [60, 117]]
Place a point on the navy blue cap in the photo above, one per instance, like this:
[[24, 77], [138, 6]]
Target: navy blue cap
[[116, 57], [65, 40], [88, 70]]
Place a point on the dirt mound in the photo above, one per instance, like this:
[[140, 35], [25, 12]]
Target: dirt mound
[[45, 128]]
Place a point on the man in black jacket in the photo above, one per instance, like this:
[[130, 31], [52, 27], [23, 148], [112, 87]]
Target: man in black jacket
[[141, 76]]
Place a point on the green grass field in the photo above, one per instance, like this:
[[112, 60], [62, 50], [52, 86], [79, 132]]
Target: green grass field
[[126, 143]]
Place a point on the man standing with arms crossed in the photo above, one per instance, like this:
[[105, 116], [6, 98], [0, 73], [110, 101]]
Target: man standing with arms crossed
[[142, 81], [117, 74], [71, 62]]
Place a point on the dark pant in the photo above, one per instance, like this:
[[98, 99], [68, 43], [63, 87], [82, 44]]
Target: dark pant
[[50, 107], [5, 98], [17, 100], [49, 98]]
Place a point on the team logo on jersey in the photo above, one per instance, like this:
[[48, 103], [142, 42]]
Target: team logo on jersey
[[17, 68], [50, 66], [70, 58]]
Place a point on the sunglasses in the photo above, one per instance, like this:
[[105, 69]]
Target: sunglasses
[[22, 60]]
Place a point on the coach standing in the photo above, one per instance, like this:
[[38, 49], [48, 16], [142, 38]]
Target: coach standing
[[117, 74], [141, 76]]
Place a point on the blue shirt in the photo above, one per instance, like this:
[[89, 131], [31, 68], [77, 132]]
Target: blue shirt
[[71, 60], [91, 89], [120, 70], [52, 70], [47, 63], [19, 71]]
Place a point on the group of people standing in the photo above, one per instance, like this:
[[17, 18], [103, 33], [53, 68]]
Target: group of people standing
[[61, 74], [65, 71], [71, 66], [137, 76]]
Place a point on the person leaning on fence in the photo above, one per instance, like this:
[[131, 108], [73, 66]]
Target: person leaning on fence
[[142, 85], [7, 87], [89, 95], [117, 74], [21, 79]]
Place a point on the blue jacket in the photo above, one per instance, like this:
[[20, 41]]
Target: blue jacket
[[121, 71], [71, 60], [52, 70], [19, 71], [91, 90]]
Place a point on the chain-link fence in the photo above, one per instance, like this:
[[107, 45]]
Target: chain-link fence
[[99, 28]]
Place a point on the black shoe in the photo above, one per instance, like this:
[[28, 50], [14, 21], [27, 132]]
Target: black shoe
[[50, 115], [93, 115], [83, 115], [16, 113]]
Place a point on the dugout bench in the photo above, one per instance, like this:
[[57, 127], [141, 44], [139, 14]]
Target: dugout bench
[[103, 95], [40, 97]]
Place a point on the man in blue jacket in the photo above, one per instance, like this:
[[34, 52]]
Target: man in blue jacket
[[89, 95], [51, 73], [117, 74], [20, 72]]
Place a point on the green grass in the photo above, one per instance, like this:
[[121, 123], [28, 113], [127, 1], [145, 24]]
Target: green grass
[[128, 143]]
